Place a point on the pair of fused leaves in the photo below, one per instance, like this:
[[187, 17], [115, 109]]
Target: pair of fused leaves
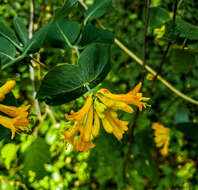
[[67, 82]]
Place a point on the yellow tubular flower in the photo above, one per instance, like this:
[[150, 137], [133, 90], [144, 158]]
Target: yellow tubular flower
[[162, 137], [132, 97], [96, 126], [88, 125], [80, 115], [6, 88], [103, 107], [81, 145], [18, 124], [13, 111]]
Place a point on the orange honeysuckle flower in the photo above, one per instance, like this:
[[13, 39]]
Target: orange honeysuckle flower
[[13, 111], [162, 137], [6, 88], [132, 97], [103, 107], [18, 124]]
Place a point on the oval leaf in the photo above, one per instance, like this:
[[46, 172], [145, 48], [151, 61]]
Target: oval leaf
[[96, 10], [66, 82], [21, 30]]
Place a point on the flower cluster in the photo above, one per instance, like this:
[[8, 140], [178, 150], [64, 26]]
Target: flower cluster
[[101, 107], [17, 117], [162, 137]]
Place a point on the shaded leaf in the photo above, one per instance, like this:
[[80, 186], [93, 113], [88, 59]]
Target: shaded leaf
[[62, 32], [66, 82], [96, 10], [92, 34], [190, 130], [181, 116], [64, 10], [35, 43], [21, 30], [7, 51], [182, 60], [36, 155], [158, 16]]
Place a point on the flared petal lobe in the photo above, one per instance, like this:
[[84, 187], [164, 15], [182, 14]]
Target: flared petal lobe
[[132, 97]]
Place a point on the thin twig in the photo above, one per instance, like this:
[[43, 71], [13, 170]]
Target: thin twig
[[31, 69], [167, 49], [145, 38]]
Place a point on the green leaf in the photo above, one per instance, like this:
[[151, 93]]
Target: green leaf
[[62, 33], [63, 11], [182, 60], [35, 43], [21, 30], [92, 34], [158, 16], [9, 35], [66, 82], [181, 116], [8, 153], [187, 30], [36, 155], [96, 10], [7, 51], [190, 130]]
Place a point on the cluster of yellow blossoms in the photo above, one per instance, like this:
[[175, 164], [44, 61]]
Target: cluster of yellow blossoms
[[162, 137], [17, 117], [102, 106]]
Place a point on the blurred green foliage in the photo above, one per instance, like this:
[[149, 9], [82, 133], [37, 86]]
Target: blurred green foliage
[[42, 160]]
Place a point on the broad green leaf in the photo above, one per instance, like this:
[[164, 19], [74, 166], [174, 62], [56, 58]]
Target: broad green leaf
[[66, 82], [63, 11], [96, 10], [7, 51], [35, 43], [187, 30], [182, 60], [61, 33], [92, 34], [158, 16], [36, 155], [8, 153], [190, 130], [9, 35], [21, 30]]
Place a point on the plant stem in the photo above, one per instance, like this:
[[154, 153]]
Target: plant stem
[[31, 69]]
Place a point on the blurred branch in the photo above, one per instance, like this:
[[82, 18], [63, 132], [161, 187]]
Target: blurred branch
[[144, 37], [166, 51], [31, 69]]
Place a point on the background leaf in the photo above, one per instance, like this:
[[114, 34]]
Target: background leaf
[[7, 51], [92, 34], [60, 32], [9, 35], [35, 43], [182, 60], [64, 10], [158, 16], [21, 30], [36, 155], [96, 10], [66, 82]]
